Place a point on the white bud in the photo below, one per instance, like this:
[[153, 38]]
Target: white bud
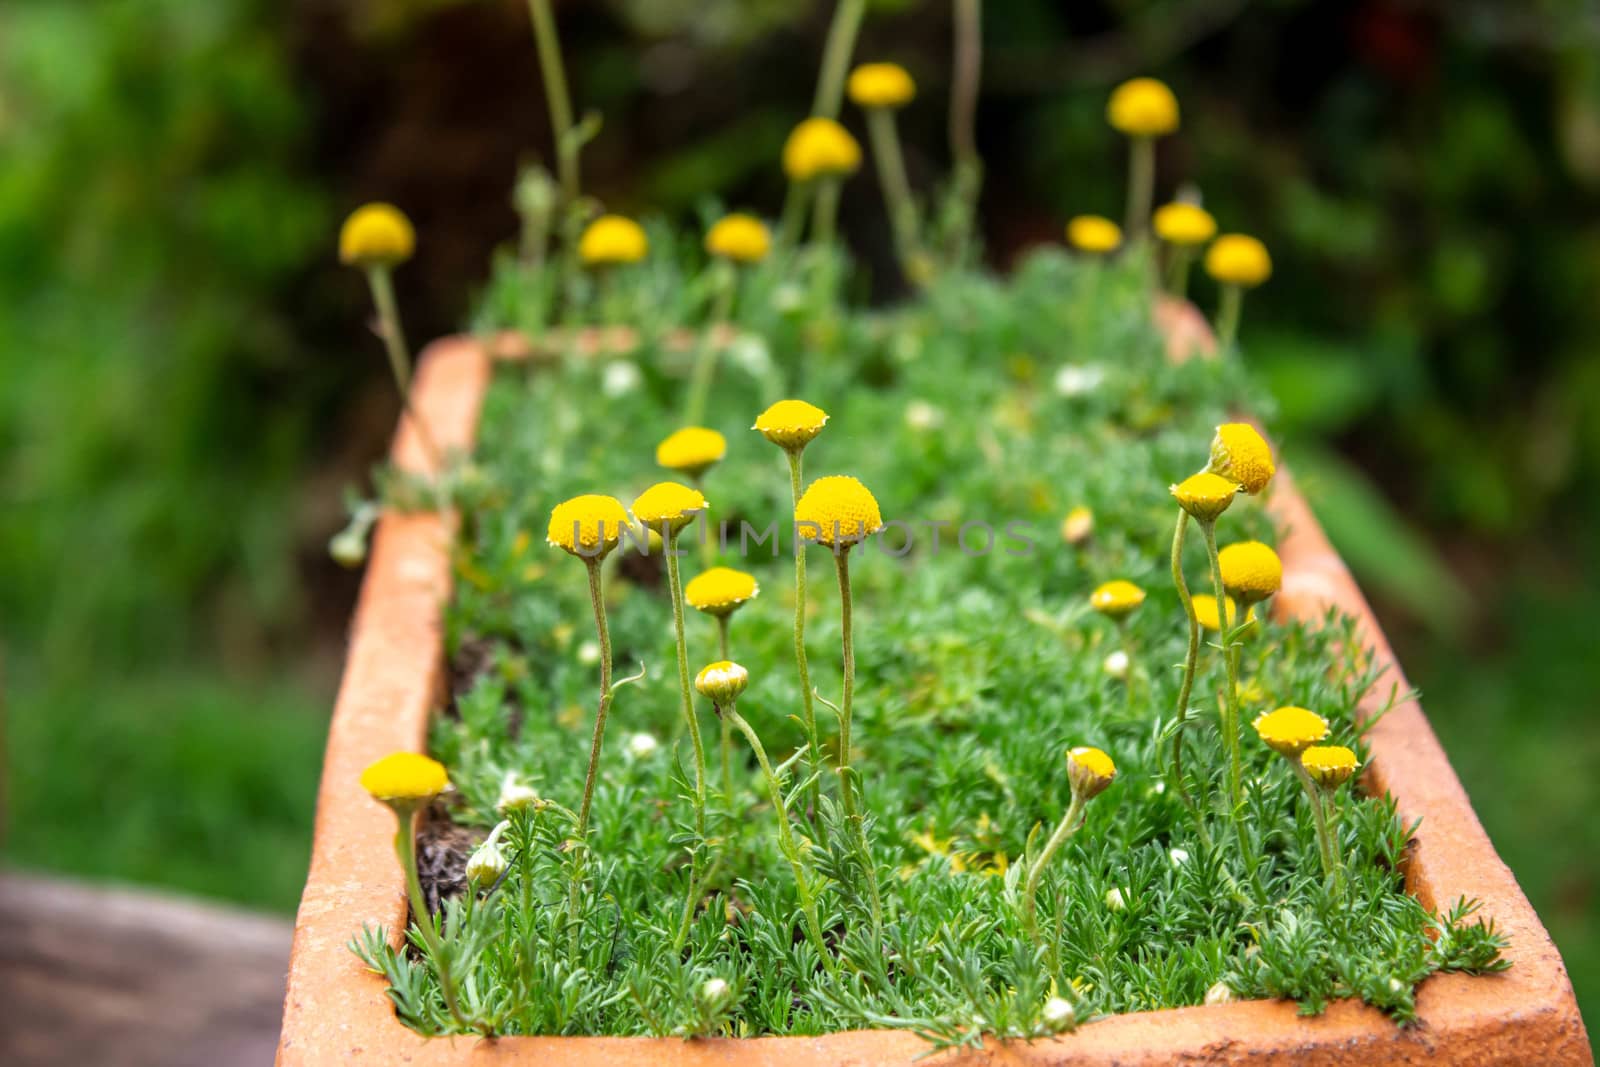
[[1219, 993], [1115, 900], [488, 861], [1180, 856], [642, 745], [1059, 1014], [1077, 379], [621, 378], [921, 415], [515, 795], [713, 991], [589, 653], [1117, 665]]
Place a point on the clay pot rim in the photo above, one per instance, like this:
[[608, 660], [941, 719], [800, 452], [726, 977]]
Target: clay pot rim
[[335, 1010]]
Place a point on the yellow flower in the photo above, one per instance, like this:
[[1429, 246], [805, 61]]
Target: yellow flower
[[376, 235], [1235, 259], [692, 450], [1330, 766], [1205, 495], [1077, 527], [1143, 107], [669, 505], [1290, 731], [1205, 609], [1240, 453], [1184, 224], [791, 424], [884, 85], [405, 778], [587, 526], [612, 239], [1093, 233], [721, 682], [1117, 599], [820, 148], [720, 591], [1251, 571], [1090, 771], [837, 511], [741, 238]]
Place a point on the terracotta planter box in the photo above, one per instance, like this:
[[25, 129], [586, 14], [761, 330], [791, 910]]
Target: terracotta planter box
[[336, 1011]]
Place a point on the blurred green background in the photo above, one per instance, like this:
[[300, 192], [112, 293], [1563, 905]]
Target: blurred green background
[[187, 383]]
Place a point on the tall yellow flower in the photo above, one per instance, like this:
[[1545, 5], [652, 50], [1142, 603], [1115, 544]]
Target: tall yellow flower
[[668, 505], [791, 424], [881, 85], [721, 591], [1185, 224], [1240, 454], [376, 235], [740, 238], [587, 526], [1094, 234], [1237, 259], [405, 779], [612, 240], [1251, 571], [1143, 107], [820, 148], [692, 450], [837, 511], [1290, 730], [1205, 496]]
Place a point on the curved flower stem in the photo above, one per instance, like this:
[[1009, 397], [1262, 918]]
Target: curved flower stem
[[786, 841], [807, 704], [405, 846], [1230, 703], [555, 90], [1141, 186], [597, 600], [1030, 887], [705, 357], [891, 167], [694, 737], [836, 52], [727, 728], [1191, 659], [1324, 840], [381, 282], [841, 559], [1228, 316]]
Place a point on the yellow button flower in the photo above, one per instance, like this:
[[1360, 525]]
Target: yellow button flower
[[886, 85], [1205, 495], [405, 777], [820, 148], [1143, 107], [1251, 571], [720, 590], [611, 240], [587, 526], [1093, 233], [1239, 452], [1090, 771], [669, 505], [1235, 259], [376, 235], [1330, 766], [837, 511], [791, 424], [1184, 224], [721, 682], [1205, 610], [692, 450], [1289, 731], [741, 238], [1117, 599]]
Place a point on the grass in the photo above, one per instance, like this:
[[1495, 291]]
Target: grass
[[976, 670]]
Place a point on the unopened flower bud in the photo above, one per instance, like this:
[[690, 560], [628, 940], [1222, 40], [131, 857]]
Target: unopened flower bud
[[722, 682], [713, 992], [1059, 1014], [515, 795]]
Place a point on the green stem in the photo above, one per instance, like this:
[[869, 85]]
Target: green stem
[[1228, 316], [727, 729], [1230, 708], [694, 737], [1126, 632], [705, 357], [836, 57], [1191, 660], [1030, 889], [405, 847], [807, 704], [786, 841], [1141, 186], [795, 202], [841, 559], [1313, 794], [891, 167], [825, 212], [555, 90], [967, 64], [1178, 271], [394, 345], [597, 600]]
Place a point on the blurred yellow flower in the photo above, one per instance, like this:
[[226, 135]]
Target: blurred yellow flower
[[1093, 233], [405, 777], [1184, 224], [611, 240], [820, 148], [692, 450], [1143, 107], [376, 235], [669, 505], [885, 85], [741, 238], [1205, 609], [720, 590], [1235, 259], [1117, 599], [1078, 526]]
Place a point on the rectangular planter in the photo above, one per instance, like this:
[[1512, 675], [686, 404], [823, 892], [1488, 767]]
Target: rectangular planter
[[336, 1011]]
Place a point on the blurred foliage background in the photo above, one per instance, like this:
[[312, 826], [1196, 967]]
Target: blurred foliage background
[[188, 385]]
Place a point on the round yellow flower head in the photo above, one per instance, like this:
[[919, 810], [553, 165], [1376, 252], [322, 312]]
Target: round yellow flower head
[[1205, 610], [820, 148], [692, 450], [1235, 259], [1240, 453], [1090, 771], [1290, 731], [791, 424], [1078, 526], [669, 505], [1143, 107], [1093, 233], [405, 779], [721, 682], [1184, 224], [376, 235], [611, 240], [1251, 571], [588, 526], [1205, 495], [1117, 599], [741, 238], [720, 591], [886, 85], [1330, 766], [837, 511]]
